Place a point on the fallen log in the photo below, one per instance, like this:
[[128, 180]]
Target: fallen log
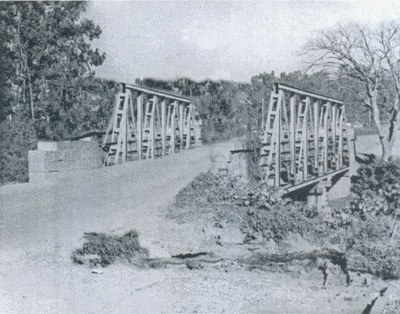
[[335, 256]]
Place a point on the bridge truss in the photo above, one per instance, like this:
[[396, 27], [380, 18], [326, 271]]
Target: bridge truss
[[304, 138], [149, 124]]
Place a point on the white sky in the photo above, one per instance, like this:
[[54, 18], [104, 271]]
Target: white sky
[[218, 40]]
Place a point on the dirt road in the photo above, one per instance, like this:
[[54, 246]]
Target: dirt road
[[55, 215]]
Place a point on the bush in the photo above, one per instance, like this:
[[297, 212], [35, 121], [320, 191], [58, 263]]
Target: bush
[[16, 139], [377, 190], [264, 212], [366, 231], [212, 188], [104, 249], [270, 216], [375, 211], [371, 239]]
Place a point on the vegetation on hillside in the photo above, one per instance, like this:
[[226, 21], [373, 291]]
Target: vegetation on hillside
[[231, 109], [366, 232]]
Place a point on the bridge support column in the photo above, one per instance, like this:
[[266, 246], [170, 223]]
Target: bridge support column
[[318, 195], [341, 187]]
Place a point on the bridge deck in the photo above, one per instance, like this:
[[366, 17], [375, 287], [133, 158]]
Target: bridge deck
[[293, 188]]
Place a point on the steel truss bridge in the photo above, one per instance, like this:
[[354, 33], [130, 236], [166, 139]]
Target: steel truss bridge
[[304, 135], [148, 124], [304, 138]]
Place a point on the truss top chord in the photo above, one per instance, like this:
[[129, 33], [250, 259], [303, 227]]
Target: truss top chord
[[156, 93], [288, 88]]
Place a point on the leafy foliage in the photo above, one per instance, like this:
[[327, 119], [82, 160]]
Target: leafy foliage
[[16, 138], [374, 217], [265, 213], [377, 190], [46, 54], [271, 216], [47, 77], [372, 246], [369, 239]]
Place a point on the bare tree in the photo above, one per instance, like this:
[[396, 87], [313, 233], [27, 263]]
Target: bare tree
[[369, 56], [389, 37]]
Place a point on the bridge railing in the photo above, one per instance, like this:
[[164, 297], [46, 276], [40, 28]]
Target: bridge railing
[[148, 124], [304, 138]]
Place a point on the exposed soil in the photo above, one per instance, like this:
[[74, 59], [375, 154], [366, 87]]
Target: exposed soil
[[212, 270]]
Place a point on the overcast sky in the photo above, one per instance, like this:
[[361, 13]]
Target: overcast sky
[[218, 40]]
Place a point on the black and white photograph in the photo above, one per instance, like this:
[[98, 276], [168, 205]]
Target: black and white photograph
[[162, 157]]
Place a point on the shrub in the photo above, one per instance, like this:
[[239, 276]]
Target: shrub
[[377, 190], [16, 139], [270, 216], [212, 188], [376, 214], [106, 249], [371, 238], [264, 212]]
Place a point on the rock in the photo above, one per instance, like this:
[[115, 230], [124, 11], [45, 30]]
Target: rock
[[97, 271]]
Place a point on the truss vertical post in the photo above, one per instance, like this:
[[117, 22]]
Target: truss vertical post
[[334, 152], [124, 129], [152, 127], [326, 136], [173, 127], [306, 143], [163, 127], [340, 148], [262, 114], [139, 102], [181, 125], [278, 122], [316, 137], [292, 134], [131, 130], [188, 126]]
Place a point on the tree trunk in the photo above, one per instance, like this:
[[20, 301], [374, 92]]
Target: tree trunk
[[386, 149], [388, 141], [24, 61], [373, 102], [393, 128], [30, 94]]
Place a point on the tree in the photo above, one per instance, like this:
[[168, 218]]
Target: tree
[[370, 58], [47, 85], [47, 54]]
